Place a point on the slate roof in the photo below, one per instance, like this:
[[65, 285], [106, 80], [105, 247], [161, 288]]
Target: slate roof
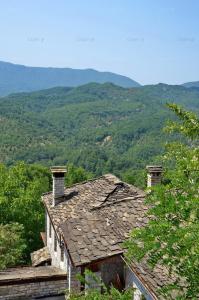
[[40, 257], [96, 216], [154, 279], [20, 275]]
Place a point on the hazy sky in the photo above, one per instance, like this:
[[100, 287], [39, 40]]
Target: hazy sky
[[150, 41]]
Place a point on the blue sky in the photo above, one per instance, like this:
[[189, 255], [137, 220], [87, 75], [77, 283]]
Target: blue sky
[[150, 41]]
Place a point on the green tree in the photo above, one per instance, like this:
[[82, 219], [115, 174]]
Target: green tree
[[21, 187], [135, 177], [112, 294], [12, 245], [102, 293], [76, 174], [171, 237]]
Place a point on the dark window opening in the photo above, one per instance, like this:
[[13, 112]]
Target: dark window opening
[[55, 243], [62, 252], [50, 229]]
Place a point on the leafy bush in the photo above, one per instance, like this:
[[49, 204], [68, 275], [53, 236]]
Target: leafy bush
[[12, 245], [100, 293]]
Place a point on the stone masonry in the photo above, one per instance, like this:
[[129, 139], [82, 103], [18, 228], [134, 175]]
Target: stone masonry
[[22, 283]]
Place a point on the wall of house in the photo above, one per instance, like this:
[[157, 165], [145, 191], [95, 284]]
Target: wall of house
[[66, 265], [131, 281], [55, 255], [112, 271], [74, 285], [32, 289]]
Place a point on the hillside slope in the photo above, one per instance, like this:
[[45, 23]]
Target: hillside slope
[[18, 78], [191, 84], [104, 128]]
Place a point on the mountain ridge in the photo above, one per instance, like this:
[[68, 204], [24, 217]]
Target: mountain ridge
[[191, 84], [20, 78]]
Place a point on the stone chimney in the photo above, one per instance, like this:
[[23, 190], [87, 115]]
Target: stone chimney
[[58, 173], [154, 175]]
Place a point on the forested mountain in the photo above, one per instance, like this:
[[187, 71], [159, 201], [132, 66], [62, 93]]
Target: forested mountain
[[192, 84], [19, 78], [101, 127]]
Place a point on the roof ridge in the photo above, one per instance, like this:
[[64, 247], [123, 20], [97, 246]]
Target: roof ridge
[[106, 176]]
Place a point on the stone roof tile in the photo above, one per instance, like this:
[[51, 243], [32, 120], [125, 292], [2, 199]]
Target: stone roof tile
[[98, 213], [40, 257]]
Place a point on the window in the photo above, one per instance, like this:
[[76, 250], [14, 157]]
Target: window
[[55, 243], [62, 251], [50, 229]]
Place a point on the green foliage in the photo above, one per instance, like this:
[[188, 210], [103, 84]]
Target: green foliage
[[189, 125], [102, 128], [12, 245], [76, 175], [21, 187], [94, 294], [97, 294], [171, 237], [135, 177]]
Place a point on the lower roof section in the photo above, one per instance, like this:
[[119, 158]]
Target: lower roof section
[[40, 257], [30, 274]]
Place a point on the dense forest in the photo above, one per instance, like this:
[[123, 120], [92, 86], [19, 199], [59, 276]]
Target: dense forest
[[100, 127], [92, 129]]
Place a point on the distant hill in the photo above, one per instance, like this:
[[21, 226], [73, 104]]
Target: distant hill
[[19, 78], [191, 84], [102, 127]]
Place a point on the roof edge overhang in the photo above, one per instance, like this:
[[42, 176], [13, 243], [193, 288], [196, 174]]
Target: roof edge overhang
[[141, 283], [98, 260], [58, 233]]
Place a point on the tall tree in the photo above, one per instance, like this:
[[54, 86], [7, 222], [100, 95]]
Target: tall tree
[[171, 237], [76, 174], [21, 187], [12, 245]]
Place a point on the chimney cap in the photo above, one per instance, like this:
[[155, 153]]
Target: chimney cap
[[58, 169], [154, 168]]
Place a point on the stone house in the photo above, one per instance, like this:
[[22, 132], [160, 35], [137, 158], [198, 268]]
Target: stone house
[[86, 225]]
